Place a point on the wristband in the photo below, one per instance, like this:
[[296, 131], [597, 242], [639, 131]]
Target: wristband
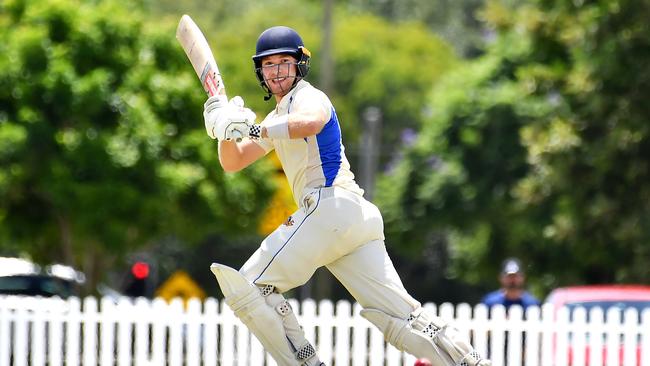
[[255, 131], [277, 128]]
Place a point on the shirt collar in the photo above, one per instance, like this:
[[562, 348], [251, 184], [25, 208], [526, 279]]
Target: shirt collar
[[288, 99]]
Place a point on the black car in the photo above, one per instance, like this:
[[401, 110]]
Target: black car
[[22, 277]]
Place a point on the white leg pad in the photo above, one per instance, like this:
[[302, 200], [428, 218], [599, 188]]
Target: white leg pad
[[303, 350], [426, 336], [268, 316]]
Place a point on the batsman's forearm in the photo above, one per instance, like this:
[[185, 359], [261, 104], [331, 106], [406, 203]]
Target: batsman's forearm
[[234, 156], [230, 156]]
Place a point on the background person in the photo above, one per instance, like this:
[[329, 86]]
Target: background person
[[512, 291]]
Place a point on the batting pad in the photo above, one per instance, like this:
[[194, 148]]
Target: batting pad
[[426, 336], [268, 322]]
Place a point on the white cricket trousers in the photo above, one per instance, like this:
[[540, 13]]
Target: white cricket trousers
[[342, 231]]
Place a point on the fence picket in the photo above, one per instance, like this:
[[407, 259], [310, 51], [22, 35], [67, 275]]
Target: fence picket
[[193, 338], [5, 331], [514, 335], [141, 313], [532, 338], [123, 323], [596, 334], [20, 337], [160, 313], [325, 331], [630, 321], [497, 335], [548, 337], [227, 335], [562, 327], [462, 320], [480, 326], [176, 330], [342, 322], [38, 341], [89, 353], [578, 336], [73, 324], [241, 340], [645, 337], [107, 332], [393, 356], [257, 352], [210, 332], [56, 333], [376, 347], [612, 321], [307, 318], [359, 332]]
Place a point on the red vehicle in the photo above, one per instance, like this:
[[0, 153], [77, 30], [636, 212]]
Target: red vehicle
[[605, 297]]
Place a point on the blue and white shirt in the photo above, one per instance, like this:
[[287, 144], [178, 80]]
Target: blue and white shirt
[[315, 161], [498, 297]]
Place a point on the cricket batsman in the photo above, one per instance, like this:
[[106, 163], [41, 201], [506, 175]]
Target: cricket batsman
[[334, 225]]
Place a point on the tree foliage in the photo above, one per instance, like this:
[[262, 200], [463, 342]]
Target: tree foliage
[[102, 144], [538, 149], [453, 20]]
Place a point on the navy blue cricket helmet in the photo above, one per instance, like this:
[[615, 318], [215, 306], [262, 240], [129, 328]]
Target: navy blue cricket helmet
[[277, 40]]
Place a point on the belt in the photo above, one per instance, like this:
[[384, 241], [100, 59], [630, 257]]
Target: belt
[[326, 192]]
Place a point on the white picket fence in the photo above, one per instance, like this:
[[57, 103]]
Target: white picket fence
[[35, 331]]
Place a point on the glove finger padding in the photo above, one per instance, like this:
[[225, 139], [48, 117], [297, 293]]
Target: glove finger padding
[[244, 114], [214, 112], [237, 101], [214, 102]]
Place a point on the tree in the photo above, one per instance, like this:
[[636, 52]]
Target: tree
[[539, 149], [453, 20], [102, 144]]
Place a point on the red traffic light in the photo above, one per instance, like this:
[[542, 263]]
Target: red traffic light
[[140, 270]]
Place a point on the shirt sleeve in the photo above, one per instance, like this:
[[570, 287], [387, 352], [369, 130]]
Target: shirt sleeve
[[492, 298], [529, 299], [313, 99]]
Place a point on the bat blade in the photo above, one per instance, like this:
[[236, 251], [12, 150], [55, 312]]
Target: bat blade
[[198, 51]]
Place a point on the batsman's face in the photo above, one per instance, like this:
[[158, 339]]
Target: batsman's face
[[279, 73]]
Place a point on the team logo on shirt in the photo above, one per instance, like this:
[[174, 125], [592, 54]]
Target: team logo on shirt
[[289, 221]]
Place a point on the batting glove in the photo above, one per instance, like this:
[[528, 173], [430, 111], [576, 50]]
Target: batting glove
[[229, 120]]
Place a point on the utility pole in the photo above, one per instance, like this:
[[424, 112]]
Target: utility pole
[[327, 63], [322, 280], [370, 147]]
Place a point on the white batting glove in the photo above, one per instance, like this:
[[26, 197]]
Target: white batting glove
[[214, 109], [228, 121]]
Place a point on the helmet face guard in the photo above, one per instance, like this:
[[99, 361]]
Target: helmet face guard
[[280, 40]]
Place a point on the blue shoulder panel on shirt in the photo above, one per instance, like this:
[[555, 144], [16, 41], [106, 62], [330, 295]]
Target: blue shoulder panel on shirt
[[329, 147]]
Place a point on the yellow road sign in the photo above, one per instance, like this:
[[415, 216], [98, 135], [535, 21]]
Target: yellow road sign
[[181, 285]]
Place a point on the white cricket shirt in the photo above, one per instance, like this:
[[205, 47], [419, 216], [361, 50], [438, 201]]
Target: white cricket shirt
[[314, 161]]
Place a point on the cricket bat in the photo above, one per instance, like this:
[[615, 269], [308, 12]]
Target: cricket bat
[[198, 51]]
